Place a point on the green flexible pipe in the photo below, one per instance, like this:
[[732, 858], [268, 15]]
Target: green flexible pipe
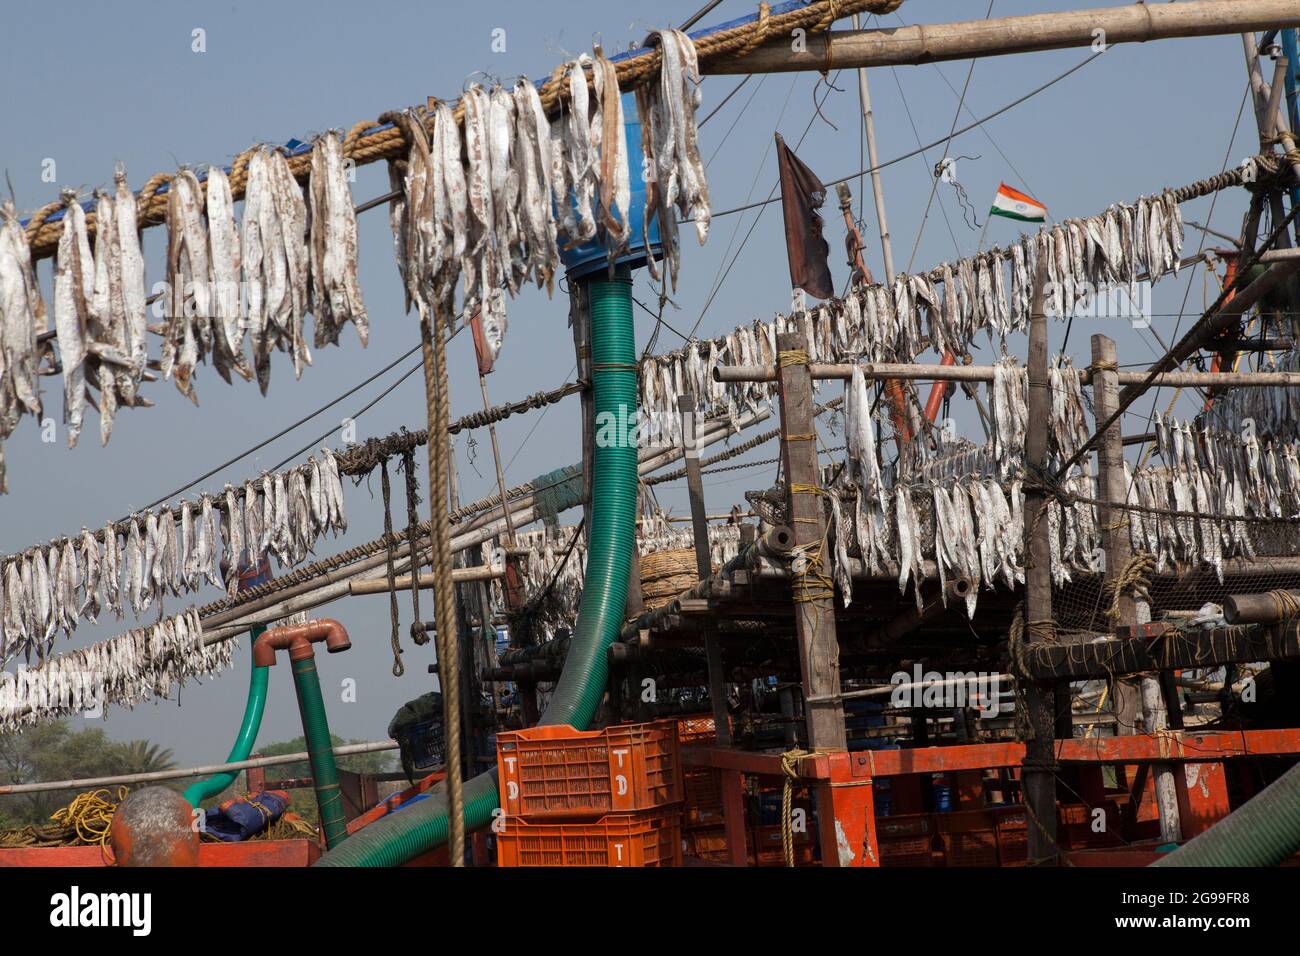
[[320, 751], [1262, 832], [423, 826], [253, 710]]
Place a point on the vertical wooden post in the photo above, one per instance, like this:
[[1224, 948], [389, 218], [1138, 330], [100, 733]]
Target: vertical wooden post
[[819, 652], [704, 566], [733, 817], [1039, 789], [1117, 544], [514, 591]]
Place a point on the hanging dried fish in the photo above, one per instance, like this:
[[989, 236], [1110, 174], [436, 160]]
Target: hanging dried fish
[[74, 289], [291, 214], [335, 291], [228, 325], [189, 329], [533, 151], [609, 139]]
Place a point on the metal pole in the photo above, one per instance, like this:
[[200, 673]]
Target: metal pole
[[345, 750], [1038, 776], [877, 189], [704, 567], [496, 460]]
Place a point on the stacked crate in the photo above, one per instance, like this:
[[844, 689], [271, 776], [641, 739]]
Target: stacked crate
[[704, 836], [610, 797]]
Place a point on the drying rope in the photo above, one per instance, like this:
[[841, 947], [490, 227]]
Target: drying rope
[[394, 637], [413, 532]]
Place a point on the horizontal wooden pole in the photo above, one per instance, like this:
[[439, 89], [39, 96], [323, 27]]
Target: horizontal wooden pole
[[1002, 36], [426, 581], [984, 373]]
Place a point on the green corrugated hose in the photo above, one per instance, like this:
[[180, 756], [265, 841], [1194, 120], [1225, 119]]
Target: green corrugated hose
[[1262, 832], [320, 751], [423, 826], [253, 710]]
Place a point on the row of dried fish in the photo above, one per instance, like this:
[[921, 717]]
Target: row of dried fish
[[135, 564], [296, 254], [656, 533], [943, 308], [1216, 476], [1067, 423], [1267, 411], [528, 186], [547, 547], [971, 528], [148, 663], [294, 257]]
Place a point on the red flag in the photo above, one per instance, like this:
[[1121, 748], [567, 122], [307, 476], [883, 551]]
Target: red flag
[[802, 193], [481, 350]]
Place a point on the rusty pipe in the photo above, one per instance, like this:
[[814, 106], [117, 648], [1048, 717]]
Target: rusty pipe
[[298, 640]]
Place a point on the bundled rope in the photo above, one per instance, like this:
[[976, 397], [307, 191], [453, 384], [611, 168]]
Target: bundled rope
[[790, 771], [1134, 578], [86, 821]]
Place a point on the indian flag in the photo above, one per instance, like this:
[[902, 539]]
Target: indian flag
[[1016, 205]]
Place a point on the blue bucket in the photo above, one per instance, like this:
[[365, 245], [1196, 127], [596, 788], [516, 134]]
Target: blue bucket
[[592, 256]]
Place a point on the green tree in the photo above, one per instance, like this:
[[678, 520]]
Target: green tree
[[141, 756], [55, 751]]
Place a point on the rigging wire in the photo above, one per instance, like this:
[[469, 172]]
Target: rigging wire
[[725, 99], [361, 411], [943, 139], [934, 186], [720, 281], [720, 276], [284, 431]]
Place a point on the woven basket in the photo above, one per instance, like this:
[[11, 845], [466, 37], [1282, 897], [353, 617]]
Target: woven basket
[[666, 574]]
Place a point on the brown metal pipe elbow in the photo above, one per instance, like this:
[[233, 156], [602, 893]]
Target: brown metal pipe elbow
[[298, 639]]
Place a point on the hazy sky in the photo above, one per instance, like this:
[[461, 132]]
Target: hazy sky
[[92, 83]]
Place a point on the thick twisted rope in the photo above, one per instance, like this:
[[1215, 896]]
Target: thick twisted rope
[[438, 401], [790, 771]]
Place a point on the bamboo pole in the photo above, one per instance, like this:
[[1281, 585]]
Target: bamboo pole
[[425, 581], [346, 750], [937, 42]]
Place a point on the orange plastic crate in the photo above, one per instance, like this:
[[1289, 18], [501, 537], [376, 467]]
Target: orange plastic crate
[[1013, 835], [905, 840], [703, 787], [647, 839], [557, 771], [769, 848], [697, 729]]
